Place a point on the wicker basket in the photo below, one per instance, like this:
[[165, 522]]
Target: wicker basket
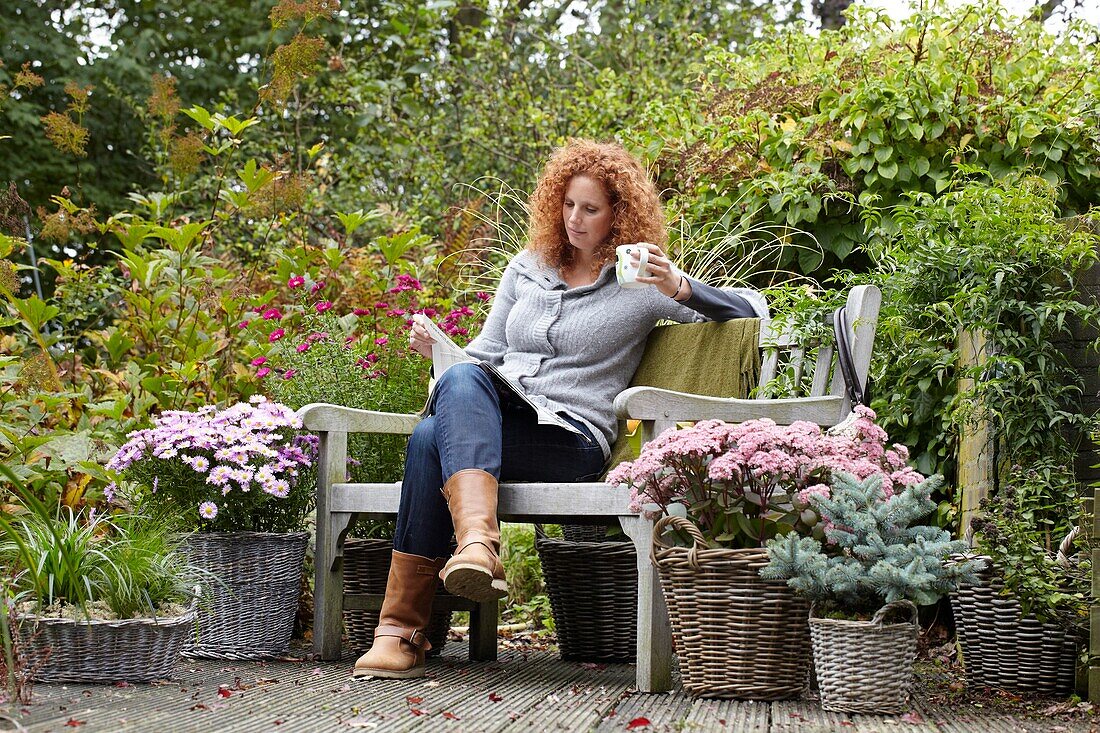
[[737, 634], [1003, 648], [865, 666], [103, 652], [366, 569], [251, 609], [593, 589]]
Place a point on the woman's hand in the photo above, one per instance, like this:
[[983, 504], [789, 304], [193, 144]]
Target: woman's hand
[[420, 341], [663, 274]]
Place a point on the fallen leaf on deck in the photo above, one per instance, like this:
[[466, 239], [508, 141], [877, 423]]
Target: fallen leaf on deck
[[316, 671], [360, 723], [495, 697], [224, 692], [913, 717], [418, 711], [74, 723], [413, 700], [638, 723], [449, 715], [433, 683]]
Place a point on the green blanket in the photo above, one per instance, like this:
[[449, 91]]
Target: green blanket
[[713, 359]]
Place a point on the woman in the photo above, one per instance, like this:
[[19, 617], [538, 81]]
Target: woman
[[562, 328]]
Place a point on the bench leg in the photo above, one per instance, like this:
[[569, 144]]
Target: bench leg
[[654, 633], [328, 590], [483, 632]]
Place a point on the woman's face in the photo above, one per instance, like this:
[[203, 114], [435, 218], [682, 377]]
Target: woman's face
[[586, 212]]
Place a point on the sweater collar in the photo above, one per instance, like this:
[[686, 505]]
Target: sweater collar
[[547, 277]]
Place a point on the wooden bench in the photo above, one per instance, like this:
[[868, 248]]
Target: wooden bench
[[825, 402]]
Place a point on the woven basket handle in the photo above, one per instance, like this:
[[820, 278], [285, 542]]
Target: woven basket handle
[[1066, 544], [880, 615], [697, 539]]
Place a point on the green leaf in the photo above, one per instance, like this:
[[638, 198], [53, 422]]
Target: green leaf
[[889, 170], [201, 116], [883, 153]]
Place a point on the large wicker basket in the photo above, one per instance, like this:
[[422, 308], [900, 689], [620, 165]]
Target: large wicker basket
[[102, 652], [737, 635], [250, 611], [366, 568], [593, 589], [865, 666], [1001, 647]]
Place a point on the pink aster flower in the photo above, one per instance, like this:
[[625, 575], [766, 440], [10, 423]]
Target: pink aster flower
[[361, 311], [317, 286], [304, 347], [275, 335], [243, 325], [263, 372], [381, 341], [272, 314], [208, 510], [259, 361], [323, 306], [295, 282]]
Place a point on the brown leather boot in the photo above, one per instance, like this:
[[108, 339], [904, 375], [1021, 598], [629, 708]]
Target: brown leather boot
[[475, 571], [399, 641]]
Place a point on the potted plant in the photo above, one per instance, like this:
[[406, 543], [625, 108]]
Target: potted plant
[[728, 489], [96, 598], [1022, 625], [871, 564], [237, 477]]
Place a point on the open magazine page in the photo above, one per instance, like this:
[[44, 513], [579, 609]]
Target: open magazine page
[[446, 353]]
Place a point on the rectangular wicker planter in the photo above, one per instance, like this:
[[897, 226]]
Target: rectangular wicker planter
[[737, 635], [103, 652]]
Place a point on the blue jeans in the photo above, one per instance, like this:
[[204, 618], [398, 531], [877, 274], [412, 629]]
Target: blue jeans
[[473, 425]]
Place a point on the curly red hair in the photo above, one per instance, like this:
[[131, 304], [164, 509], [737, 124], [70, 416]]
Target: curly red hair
[[638, 216]]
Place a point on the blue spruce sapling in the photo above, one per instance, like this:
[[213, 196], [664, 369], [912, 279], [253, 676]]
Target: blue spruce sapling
[[872, 555]]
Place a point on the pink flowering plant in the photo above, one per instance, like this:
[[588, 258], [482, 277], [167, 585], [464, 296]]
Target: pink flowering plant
[[244, 468], [745, 483], [317, 347]]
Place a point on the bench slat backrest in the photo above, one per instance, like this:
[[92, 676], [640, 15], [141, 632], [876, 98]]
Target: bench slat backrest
[[785, 356]]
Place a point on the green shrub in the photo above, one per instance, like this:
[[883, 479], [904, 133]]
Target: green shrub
[[828, 132]]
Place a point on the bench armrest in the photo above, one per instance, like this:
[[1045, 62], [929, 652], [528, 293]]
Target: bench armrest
[[651, 403], [320, 417]]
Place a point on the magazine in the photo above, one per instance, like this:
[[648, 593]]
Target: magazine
[[446, 353]]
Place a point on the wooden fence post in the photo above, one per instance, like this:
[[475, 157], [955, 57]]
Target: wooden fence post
[[975, 441], [1091, 505]]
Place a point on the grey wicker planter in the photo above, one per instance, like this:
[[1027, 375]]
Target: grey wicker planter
[[366, 569], [103, 652], [1003, 648], [593, 589], [865, 666], [250, 613], [737, 635]]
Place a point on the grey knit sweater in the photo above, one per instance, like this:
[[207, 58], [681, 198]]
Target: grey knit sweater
[[574, 349]]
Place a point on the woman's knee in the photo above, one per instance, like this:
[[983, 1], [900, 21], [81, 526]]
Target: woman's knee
[[464, 378], [423, 438]]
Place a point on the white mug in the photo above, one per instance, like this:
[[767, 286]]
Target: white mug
[[626, 270]]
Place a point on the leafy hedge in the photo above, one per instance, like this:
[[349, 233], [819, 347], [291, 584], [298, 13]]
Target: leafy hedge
[[828, 133]]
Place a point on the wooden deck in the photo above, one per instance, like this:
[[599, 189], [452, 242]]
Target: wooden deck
[[525, 690]]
